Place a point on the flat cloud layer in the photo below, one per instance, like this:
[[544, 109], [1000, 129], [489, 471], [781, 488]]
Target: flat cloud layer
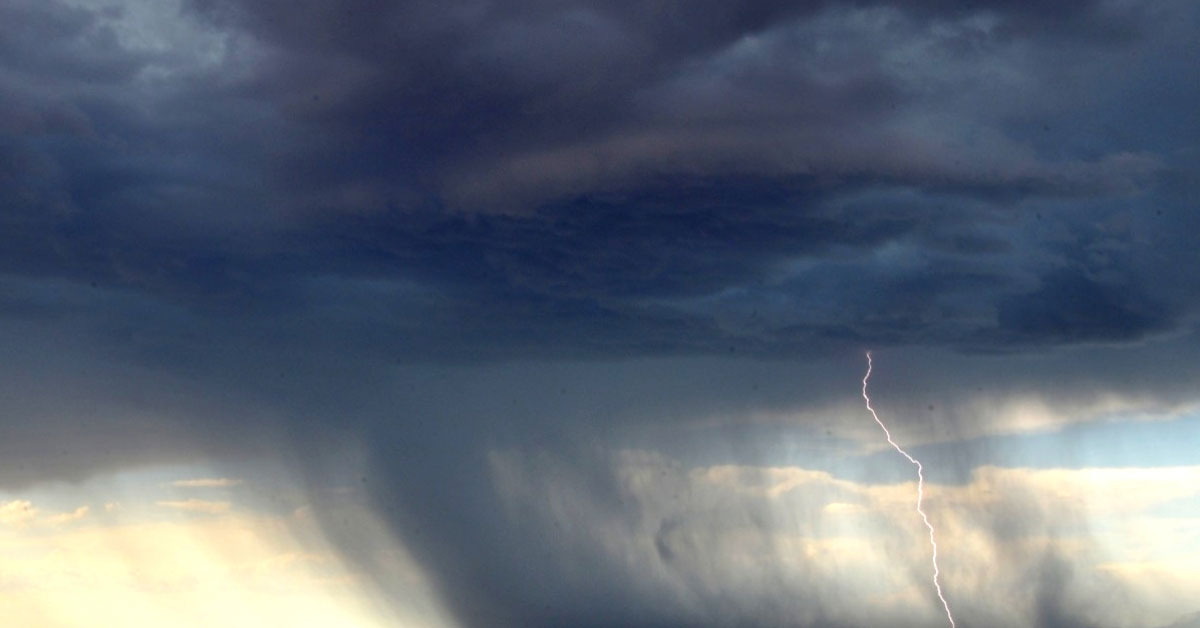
[[775, 178], [521, 252]]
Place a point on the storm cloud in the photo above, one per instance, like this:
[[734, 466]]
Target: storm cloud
[[584, 281]]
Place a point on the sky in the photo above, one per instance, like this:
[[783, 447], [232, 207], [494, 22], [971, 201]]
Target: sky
[[486, 314]]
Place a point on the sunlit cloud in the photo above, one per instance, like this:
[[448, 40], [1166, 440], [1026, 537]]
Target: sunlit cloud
[[197, 505], [17, 512], [68, 517], [131, 566], [752, 533]]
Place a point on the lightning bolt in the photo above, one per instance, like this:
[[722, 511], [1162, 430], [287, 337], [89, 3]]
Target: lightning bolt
[[920, 489]]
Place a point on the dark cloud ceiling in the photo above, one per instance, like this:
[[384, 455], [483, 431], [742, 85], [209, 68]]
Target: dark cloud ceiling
[[772, 176]]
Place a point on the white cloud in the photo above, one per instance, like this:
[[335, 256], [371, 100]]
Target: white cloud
[[68, 517], [18, 512]]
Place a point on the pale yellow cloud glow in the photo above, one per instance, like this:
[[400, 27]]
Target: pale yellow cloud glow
[[197, 505], [17, 512], [67, 517], [193, 563]]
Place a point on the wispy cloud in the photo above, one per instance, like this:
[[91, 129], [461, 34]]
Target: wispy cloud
[[207, 482], [198, 505], [68, 517], [20, 513]]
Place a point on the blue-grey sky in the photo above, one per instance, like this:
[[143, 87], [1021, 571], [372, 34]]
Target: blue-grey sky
[[498, 244]]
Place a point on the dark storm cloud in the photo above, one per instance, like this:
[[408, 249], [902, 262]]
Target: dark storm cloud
[[640, 158], [515, 105], [235, 232], [1070, 308]]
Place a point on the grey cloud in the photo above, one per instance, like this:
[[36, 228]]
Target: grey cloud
[[62, 43], [658, 544], [1186, 622], [432, 99], [1069, 307], [681, 156], [455, 229]]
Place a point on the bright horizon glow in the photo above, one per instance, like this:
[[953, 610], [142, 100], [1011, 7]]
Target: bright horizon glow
[[107, 553], [141, 552]]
